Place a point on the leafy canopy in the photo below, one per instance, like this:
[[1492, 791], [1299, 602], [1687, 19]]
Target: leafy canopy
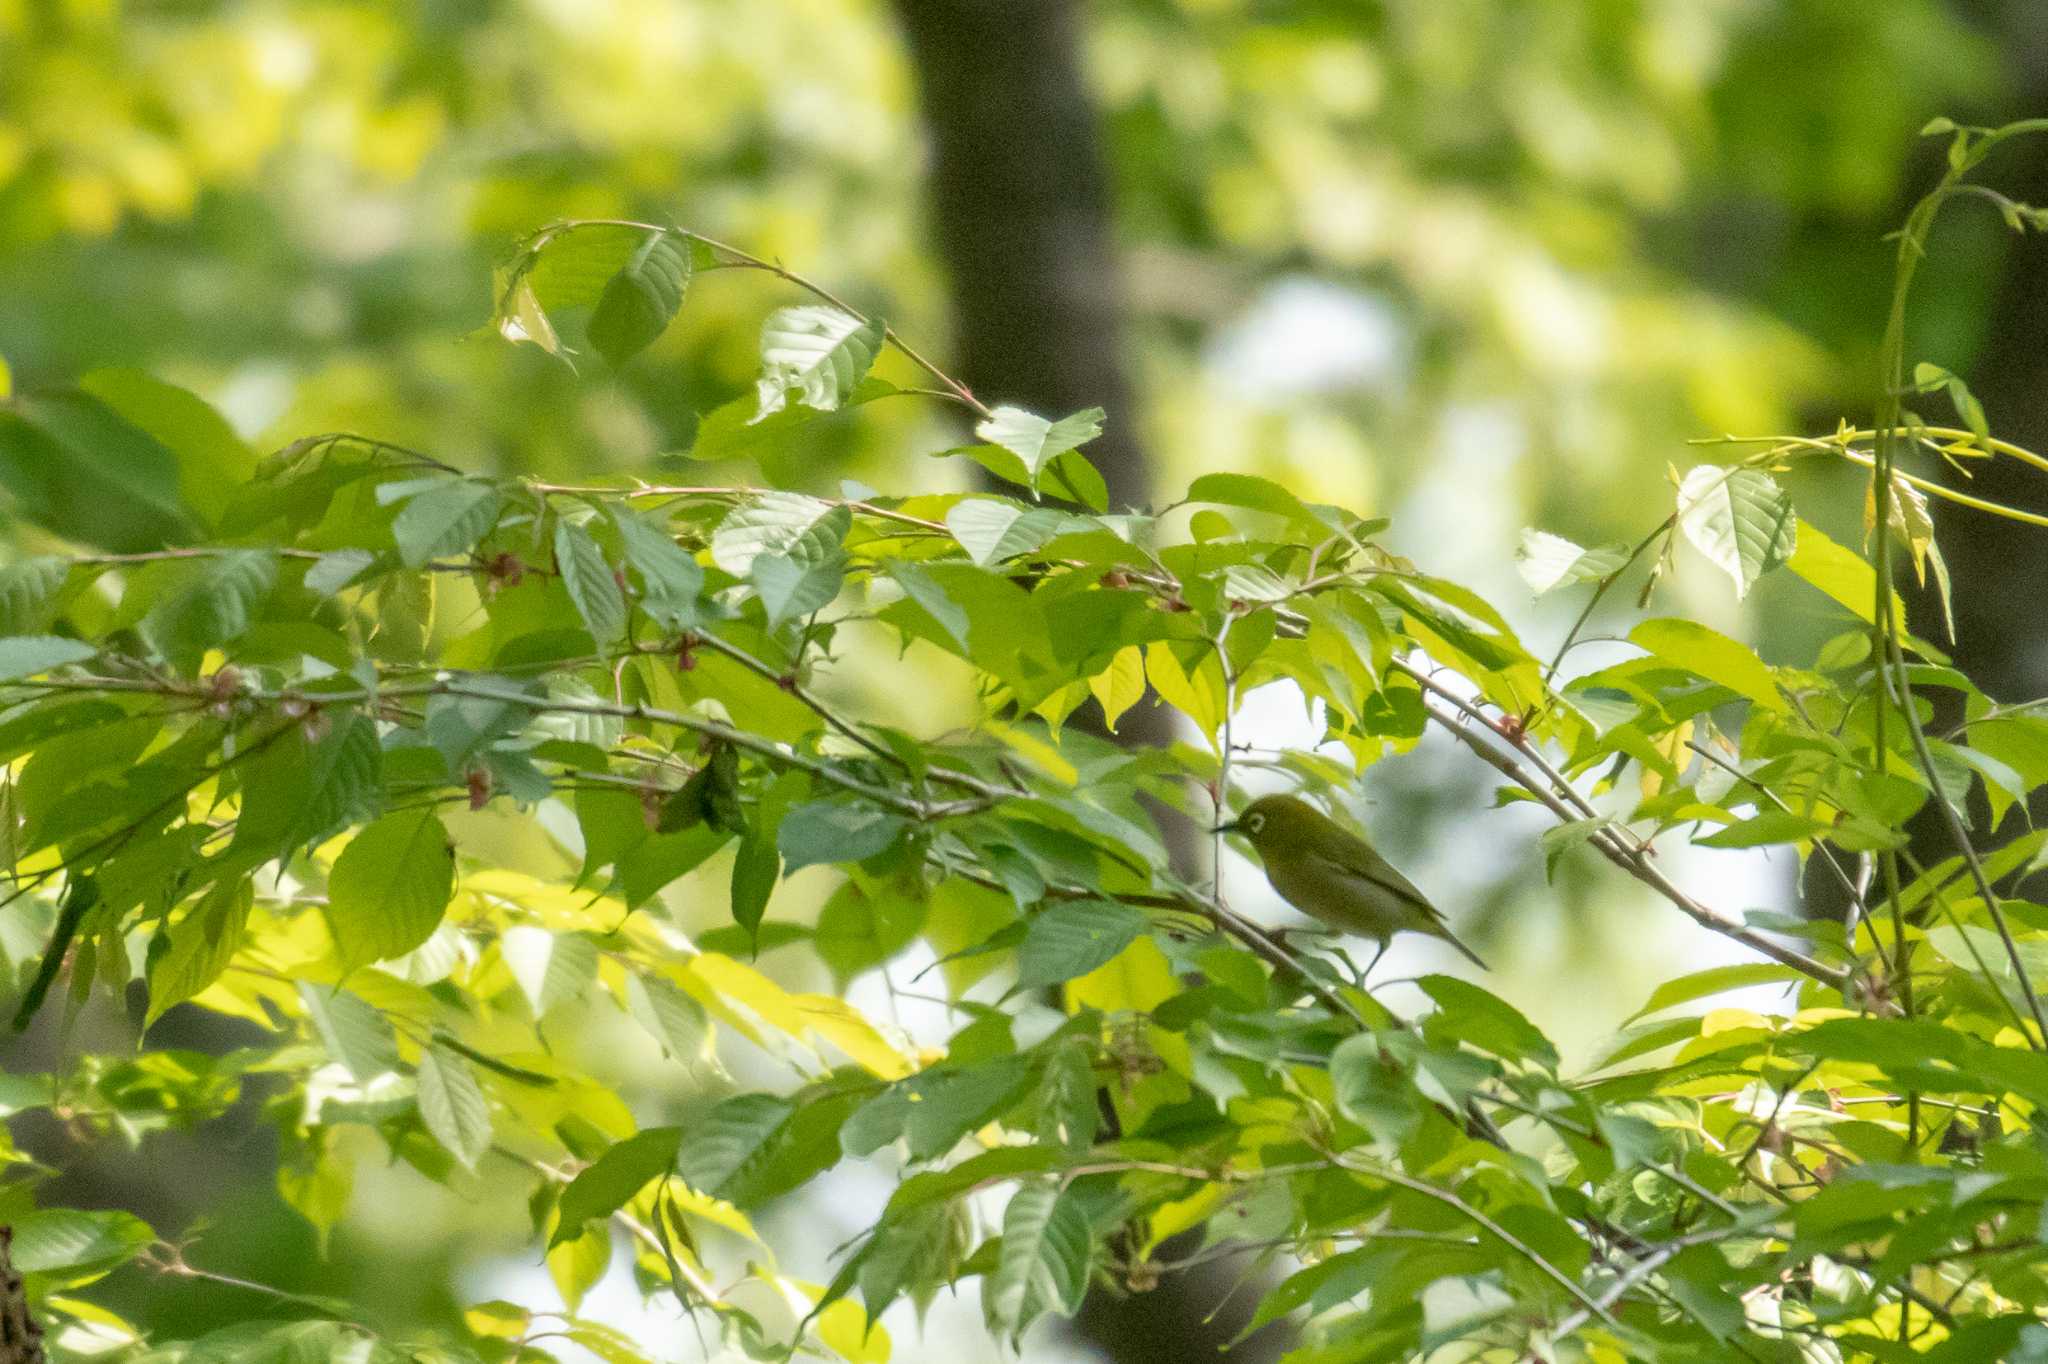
[[240, 732]]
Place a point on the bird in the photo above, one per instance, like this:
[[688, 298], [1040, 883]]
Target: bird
[[1333, 875]]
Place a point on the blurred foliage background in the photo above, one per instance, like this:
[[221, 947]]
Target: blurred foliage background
[[1475, 264]]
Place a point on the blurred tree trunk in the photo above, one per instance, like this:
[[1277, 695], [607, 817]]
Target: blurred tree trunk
[[1021, 216]]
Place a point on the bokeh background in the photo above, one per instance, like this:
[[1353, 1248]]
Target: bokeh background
[[1471, 264]]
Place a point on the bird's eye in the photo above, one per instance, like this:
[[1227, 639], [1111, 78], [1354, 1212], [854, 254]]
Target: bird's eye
[[1255, 822]]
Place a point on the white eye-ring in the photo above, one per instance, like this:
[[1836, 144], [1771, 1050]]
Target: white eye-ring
[[1255, 822]]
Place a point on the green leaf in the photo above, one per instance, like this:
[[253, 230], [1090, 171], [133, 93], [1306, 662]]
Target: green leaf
[[770, 523], [452, 1105], [204, 603], [835, 831], [992, 530], [1072, 938], [1067, 1111], [671, 581], [212, 460], [1477, 1016], [1548, 561], [1689, 645], [590, 582], [390, 886], [1251, 492], [1712, 981], [342, 781], [1739, 518], [201, 945], [549, 968], [74, 1245], [1771, 826], [1839, 572], [755, 869], [609, 1182], [817, 352], [29, 655], [1374, 1091], [1036, 441], [791, 585], [27, 587], [355, 1033], [671, 1017], [934, 1110], [1044, 1262], [447, 518], [332, 572], [73, 464], [641, 300]]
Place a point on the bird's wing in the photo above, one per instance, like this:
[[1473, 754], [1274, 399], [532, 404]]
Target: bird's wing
[[1386, 879]]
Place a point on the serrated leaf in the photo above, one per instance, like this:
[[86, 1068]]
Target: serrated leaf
[[768, 524], [1689, 645], [390, 886], [1072, 938], [74, 1244], [205, 603], [1044, 1260], [1119, 686], [330, 573], [447, 518], [27, 655], [671, 1017], [808, 576], [641, 300], [342, 780], [1036, 441], [1548, 561], [1839, 572], [1739, 518], [354, 1031], [1255, 583], [589, 580], [452, 1105], [817, 352], [756, 867]]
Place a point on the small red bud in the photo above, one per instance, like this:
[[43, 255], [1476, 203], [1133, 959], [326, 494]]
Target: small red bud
[[479, 780], [1116, 578], [787, 682]]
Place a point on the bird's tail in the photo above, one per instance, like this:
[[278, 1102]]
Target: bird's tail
[[1470, 955]]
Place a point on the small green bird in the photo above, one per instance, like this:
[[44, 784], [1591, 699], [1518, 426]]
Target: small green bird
[[1331, 874]]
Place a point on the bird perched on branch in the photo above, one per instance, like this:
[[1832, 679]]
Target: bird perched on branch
[[1334, 876]]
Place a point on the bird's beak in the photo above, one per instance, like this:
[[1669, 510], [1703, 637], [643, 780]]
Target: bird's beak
[[1229, 828]]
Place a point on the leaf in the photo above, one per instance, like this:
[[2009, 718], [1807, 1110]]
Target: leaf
[[671, 1017], [212, 460], [1251, 492], [819, 353], [73, 464], [76, 1245], [609, 1182], [201, 945], [1119, 686], [27, 587], [354, 1032], [1739, 518], [204, 603], [1839, 572], [447, 518], [390, 886], [1043, 1264], [641, 300], [835, 831], [1712, 981], [1548, 561], [1479, 1017], [29, 655], [1037, 441], [342, 782], [549, 968], [770, 523], [671, 581], [452, 1105], [1696, 649], [798, 583], [755, 869], [1072, 938], [992, 530], [724, 1140], [590, 582], [332, 572]]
